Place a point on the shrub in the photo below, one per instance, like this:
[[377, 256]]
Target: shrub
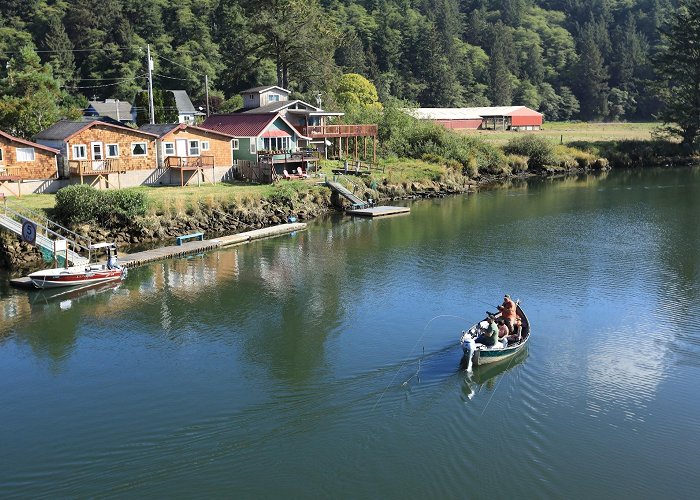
[[81, 204], [77, 204], [538, 150]]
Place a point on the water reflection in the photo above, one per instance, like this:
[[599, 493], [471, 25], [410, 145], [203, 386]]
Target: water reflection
[[487, 376]]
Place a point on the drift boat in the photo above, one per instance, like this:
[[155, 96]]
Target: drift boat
[[90, 274], [480, 354]]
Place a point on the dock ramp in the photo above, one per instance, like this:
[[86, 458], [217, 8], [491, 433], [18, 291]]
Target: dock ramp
[[347, 194], [47, 232]]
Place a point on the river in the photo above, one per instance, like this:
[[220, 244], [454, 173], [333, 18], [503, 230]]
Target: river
[[325, 363]]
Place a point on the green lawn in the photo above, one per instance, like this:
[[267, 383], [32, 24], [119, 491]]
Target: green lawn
[[568, 132]]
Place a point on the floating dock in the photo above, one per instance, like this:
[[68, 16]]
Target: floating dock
[[195, 247], [378, 211]]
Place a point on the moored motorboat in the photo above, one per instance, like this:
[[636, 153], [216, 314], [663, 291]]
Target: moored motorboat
[[81, 275], [479, 354]]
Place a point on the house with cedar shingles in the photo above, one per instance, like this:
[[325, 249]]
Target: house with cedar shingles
[[96, 149], [193, 150], [26, 160], [25, 163]]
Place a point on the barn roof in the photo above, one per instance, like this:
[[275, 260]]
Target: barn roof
[[468, 113]]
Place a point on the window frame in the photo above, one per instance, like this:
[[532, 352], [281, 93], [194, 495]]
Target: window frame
[[204, 145], [106, 152], [76, 156], [33, 154], [1, 154], [253, 148], [190, 149], [235, 144], [165, 149], [145, 149]]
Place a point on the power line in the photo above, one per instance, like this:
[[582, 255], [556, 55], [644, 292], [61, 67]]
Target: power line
[[51, 51], [184, 67], [102, 86]]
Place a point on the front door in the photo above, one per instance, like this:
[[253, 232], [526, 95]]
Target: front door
[[98, 159], [181, 149]]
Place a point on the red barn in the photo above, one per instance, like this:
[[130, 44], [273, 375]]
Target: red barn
[[495, 117]]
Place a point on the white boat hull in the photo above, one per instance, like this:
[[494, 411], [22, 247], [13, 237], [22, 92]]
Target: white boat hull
[[75, 276]]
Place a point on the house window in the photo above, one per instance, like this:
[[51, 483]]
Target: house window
[[234, 144], [79, 152], [253, 148], [273, 98], [0, 154], [169, 148], [112, 150], [138, 149], [25, 154], [205, 145], [194, 148]]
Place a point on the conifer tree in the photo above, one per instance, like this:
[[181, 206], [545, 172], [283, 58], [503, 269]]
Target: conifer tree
[[678, 68]]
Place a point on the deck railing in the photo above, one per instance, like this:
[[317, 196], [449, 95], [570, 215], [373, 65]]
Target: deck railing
[[321, 131], [17, 172], [189, 162], [95, 167]]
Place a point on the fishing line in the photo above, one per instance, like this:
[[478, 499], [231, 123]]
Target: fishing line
[[425, 329]]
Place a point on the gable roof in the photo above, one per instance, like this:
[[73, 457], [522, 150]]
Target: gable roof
[[27, 143], [245, 124], [275, 107], [183, 102], [260, 90], [161, 130], [109, 108], [65, 129]]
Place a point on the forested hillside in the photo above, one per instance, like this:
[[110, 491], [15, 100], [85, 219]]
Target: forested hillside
[[587, 59]]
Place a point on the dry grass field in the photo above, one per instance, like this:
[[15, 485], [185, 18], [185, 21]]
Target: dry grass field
[[568, 132]]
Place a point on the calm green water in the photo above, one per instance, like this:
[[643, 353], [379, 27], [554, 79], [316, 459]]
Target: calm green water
[[326, 364]]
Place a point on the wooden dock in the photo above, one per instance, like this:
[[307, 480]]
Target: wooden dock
[[195, 247], [378, 211]]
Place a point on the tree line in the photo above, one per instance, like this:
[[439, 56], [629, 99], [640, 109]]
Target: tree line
[[570, 59]]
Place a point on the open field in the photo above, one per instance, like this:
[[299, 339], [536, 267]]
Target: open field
[[568, 132]]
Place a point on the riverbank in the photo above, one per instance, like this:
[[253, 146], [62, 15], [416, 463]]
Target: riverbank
[[226, 209]]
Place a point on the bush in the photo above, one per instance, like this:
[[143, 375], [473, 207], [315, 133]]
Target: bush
[[77, 204], [82, 204], [538, 150]]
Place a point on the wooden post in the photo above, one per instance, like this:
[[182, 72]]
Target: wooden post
[[374, 154], [364, 144], [356, 157]]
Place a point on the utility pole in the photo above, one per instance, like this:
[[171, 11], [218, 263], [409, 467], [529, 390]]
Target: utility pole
[[150, 84], [206, 91]]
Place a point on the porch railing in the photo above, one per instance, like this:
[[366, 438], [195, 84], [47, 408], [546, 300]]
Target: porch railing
[[95, 167], [321, 131], [188, 162]]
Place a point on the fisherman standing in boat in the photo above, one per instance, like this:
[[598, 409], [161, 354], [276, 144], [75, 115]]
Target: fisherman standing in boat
[[508, 312]]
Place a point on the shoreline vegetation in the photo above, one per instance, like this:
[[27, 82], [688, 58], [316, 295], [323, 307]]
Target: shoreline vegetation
[[418, 160]]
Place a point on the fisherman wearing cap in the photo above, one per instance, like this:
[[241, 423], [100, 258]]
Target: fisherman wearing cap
[[490, 335]]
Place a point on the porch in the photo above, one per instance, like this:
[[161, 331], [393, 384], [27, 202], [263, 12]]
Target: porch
[[346, 141], [99, 169], [197, 166]]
